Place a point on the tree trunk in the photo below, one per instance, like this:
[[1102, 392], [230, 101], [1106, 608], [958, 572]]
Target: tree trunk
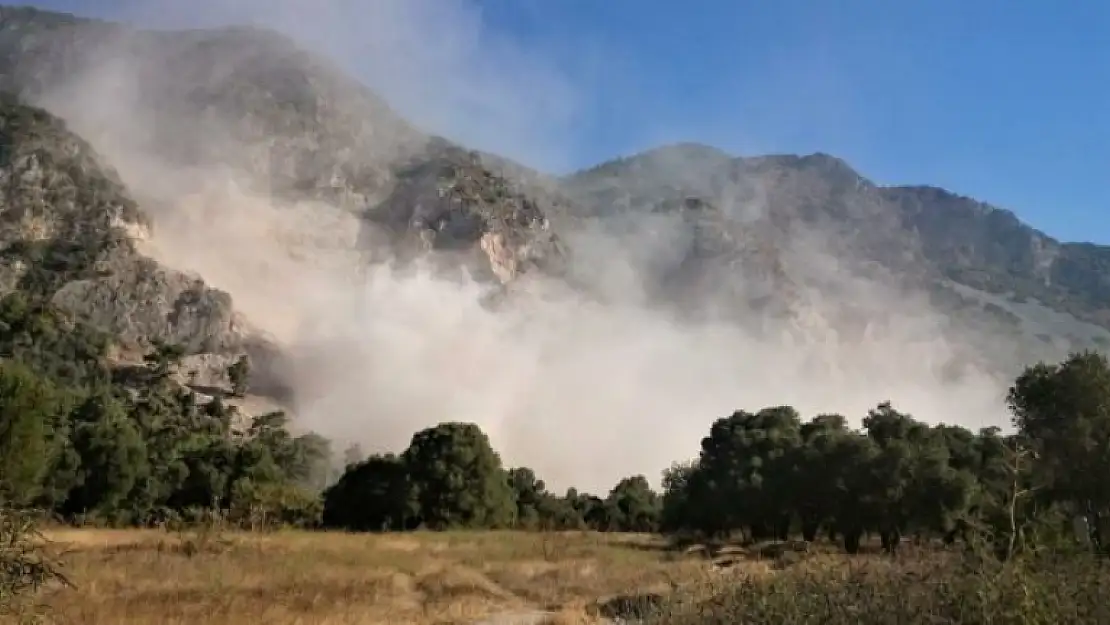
[[852, 540], [782, 529], [809, 530], [890, 539]]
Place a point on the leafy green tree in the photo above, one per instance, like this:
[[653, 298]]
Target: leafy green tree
[[1064, 411], [529, 493], [855, 496], [634, 505], [676, 504], [112, 457], [371, 495], [747, 467], [557, 513], [821, 473], [28, 404], [457, 478], [274, 505], [899, 439]]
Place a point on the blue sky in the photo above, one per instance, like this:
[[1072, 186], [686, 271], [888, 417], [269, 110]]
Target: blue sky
[[1008, 102]]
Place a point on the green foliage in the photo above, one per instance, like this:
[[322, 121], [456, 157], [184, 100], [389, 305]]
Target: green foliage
[[767, 475], [111, 459], [457, 479], [1064, 412], [95, 445], [530, 493], [274, 504], [36, 334], [634, 506], [29, 405], [372, 495]]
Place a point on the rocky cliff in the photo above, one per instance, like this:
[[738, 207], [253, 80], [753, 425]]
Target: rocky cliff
[[769, 237], [67, 233]]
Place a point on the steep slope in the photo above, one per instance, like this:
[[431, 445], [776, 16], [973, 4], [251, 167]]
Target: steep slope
[[242, 98], [446, 201], [978, 264], [67, 234], [175, 111], [269, 172], [340, 173]]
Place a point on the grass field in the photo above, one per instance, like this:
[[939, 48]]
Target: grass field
[[131, 577], [145, 577]]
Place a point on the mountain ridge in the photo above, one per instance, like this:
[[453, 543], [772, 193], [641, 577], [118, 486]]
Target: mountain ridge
[[249, 107]]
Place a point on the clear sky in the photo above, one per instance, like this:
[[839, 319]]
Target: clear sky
[[1008, 102]]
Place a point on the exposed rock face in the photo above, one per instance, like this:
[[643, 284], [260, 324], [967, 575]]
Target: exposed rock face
[[66, 230], [977, 265], [772, 235], [449, 203], [140, 300]]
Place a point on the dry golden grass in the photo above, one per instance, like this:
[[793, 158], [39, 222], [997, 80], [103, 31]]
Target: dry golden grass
[[132, 577]]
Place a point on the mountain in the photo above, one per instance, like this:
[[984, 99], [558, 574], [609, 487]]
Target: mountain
[[186, 123], [974, 260]]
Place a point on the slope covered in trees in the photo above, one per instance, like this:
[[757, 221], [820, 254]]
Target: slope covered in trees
[[131, 445]]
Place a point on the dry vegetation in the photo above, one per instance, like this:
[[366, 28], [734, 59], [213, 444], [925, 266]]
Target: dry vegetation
[[139, 577], [210, 576]]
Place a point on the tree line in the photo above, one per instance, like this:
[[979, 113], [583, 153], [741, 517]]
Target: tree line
[[131, 446], [128, 445]]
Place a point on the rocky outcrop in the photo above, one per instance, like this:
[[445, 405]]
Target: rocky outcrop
[[774, 234], [67, 233], [449, 204], [141, 301]]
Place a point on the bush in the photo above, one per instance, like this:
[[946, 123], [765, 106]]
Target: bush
[[272, 506], [25, 566], [938, 588]]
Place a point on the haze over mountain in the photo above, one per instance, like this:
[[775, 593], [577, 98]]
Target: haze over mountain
[[231, 191]]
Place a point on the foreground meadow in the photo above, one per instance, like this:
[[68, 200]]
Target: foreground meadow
[[131, 577]]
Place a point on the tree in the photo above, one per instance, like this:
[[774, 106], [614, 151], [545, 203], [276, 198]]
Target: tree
[[26, 566], [821, 472], [675, 506], [28, 405], [635, 505], [239, 375], [745, 466], [894, 470], [373, 495], [529, 493], [457, 478], [1064, 411], [112, 458]]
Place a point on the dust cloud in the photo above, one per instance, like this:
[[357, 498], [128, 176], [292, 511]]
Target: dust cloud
[[583, 389]]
